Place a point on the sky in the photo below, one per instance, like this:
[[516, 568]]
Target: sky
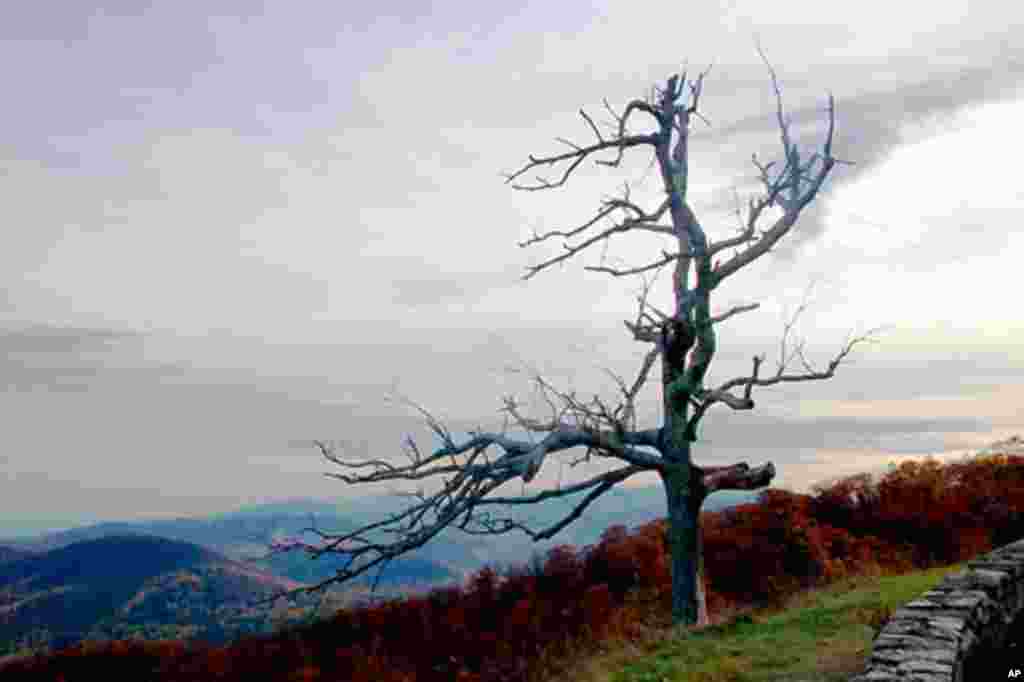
[[225, 235]]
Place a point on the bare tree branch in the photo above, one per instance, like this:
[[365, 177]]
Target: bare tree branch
[[638, 220], [461, 494], [738, 477], [735, 311], [801, 181], [650, 332], [810, 375], [641, 219], [628, 409], [619, 143], [723, 394], [664, 260], [608, 481], [613, 440], [466, 472]]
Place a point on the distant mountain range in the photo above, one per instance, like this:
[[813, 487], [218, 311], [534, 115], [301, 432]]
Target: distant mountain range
[[10, 554], [121, 586], [245, 534], [200, 577]]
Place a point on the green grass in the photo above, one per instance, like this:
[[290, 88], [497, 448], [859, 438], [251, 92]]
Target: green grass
[[821, 635]]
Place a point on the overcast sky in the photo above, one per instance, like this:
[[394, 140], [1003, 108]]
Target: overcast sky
[[225, 234]]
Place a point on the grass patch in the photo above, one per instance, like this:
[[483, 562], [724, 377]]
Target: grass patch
[[821, 635]]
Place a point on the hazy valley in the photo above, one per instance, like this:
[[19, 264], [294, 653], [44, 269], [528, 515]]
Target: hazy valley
[[203, 577]]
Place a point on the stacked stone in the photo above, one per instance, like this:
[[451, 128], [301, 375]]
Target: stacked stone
[[970, 612]]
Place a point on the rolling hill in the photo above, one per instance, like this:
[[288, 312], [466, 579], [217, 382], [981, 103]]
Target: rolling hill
[[244, 534], [245, 537], [125, 585]]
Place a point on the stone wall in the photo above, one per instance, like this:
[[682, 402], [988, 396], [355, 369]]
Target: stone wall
[[929, 639]]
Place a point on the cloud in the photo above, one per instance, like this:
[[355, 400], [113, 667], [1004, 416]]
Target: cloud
[[75, 360], [305, 208], [46, 339], [870, 127]]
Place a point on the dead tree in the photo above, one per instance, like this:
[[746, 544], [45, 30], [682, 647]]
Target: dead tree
[[684, 339]]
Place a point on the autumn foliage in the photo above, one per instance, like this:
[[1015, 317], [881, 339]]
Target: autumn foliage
[[511, 626]]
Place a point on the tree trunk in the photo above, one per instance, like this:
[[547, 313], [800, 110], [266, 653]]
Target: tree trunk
[[684, 493]]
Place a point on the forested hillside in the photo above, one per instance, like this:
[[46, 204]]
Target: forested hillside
[[533, 622], [245, 534], [10, 554], [127, 586]]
